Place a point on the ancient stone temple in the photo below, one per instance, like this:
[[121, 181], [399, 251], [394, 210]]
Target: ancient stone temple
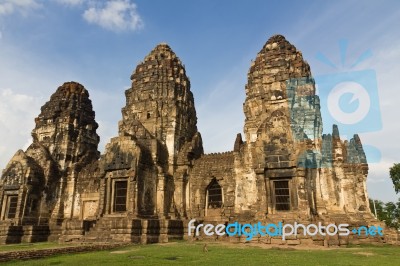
[[154, 176]]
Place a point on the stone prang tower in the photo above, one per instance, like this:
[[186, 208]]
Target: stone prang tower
[[38, 185]]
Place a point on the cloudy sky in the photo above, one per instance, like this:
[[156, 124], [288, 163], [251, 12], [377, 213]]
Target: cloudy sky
[[99, 43]]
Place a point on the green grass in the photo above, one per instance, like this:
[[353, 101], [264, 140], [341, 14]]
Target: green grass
[[31, 246], [222, 254]]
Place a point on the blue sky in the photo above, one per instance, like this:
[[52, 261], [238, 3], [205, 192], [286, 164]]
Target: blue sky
[[99, 43]]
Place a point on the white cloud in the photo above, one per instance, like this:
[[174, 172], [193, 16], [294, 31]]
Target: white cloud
[[17, 113], [26, 82], [385, 63], [8, 7], [71, 2], [115, 15]]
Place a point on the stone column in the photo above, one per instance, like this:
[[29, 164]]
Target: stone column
[[131, 196], [261, 194], [163, 238], [178, 193], [70, 193], [143, 236], [339, 175], [22, 197], [320, 204], [56, 210], [102, 197], [108, 195], [268, 195], [186, 197], [135, 198], [160, 195]]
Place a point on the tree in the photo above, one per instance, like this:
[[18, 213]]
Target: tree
[[387, 212], [380, 209], [391, 214], [395, 176]]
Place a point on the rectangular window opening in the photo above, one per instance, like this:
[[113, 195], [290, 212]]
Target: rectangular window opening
[[282, 195], [120, 191], [12, 206]]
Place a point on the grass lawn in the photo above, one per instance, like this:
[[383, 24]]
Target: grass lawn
[[182, 253], [32, 246]]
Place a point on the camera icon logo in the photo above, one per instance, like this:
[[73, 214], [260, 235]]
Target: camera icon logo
[[348, 99], [351, 101]]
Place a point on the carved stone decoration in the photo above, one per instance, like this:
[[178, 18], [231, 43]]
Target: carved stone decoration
[[66, 127]]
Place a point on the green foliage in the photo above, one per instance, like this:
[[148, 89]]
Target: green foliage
[[388, 212], [185, 253], [395, 176]]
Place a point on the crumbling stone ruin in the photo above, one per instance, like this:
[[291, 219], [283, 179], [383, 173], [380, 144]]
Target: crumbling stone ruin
[[154, 176]]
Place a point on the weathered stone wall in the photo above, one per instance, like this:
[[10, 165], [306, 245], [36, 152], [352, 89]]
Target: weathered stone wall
[[43, 253], [345, 169], [221, 167], [22, 178]]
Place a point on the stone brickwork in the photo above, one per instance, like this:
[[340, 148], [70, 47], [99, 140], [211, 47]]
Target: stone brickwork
[[154, 176], [43, 253]]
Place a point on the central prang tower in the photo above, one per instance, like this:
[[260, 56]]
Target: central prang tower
[[160, 115], [160, 104]]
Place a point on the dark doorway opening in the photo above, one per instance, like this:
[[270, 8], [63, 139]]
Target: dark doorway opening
[[120, 191], [12, 206], [214, 195], [282, 195]]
